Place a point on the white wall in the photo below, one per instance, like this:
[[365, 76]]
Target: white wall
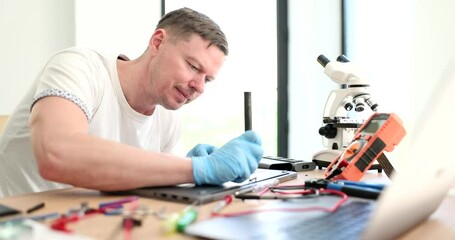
[[31, 32], [434, 47], [116, 26], [433, 55], [382, 40], [405, 52]]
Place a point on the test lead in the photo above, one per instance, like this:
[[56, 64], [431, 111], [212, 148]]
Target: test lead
[[223, 203], [36, 207]]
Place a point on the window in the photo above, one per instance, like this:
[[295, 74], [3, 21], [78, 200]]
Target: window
[[314, 29]]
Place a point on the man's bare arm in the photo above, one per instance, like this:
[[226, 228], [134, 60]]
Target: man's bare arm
[[66, 152]]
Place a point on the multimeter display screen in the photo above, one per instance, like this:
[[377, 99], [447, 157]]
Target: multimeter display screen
[[375, 124]]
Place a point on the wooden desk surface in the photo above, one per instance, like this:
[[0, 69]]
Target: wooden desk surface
[[441, 224]]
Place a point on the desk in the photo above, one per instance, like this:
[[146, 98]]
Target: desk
[[441, 225]]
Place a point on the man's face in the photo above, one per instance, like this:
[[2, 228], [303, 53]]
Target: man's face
[[180, 70]]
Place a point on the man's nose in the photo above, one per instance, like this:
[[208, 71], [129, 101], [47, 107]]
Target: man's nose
[[198, 83]]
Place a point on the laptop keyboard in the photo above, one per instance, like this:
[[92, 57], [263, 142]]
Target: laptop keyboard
[[347, 222]]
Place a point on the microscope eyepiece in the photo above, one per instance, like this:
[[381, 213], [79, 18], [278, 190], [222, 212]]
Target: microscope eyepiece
[[371, 104], [359, 107], [342, 58], [359, 104], [323, 60], [348, 106]]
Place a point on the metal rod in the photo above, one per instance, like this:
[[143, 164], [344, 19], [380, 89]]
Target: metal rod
[[247, 109]]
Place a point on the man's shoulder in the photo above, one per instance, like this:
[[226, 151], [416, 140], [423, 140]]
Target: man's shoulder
[[81, 56], [84, 52]]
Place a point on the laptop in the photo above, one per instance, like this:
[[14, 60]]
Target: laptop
[[414, 193], [191, 194]]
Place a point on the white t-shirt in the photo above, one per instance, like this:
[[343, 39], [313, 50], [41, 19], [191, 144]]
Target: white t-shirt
[[89, 80]]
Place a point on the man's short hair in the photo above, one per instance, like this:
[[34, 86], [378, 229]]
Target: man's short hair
[[184, 22]]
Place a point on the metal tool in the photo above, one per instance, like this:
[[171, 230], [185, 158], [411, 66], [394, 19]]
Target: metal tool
[[354, 189]]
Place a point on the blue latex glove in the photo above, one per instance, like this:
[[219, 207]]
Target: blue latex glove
[[235, 161], [201, 150]]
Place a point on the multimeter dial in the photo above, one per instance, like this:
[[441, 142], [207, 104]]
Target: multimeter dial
[[352, 150]]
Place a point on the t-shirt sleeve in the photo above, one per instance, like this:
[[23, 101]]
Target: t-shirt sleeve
[[75, 76]]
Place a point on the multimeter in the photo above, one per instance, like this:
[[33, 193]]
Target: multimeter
[[382, 131]]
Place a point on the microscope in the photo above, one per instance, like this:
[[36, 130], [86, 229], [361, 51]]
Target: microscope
[[346, 109]]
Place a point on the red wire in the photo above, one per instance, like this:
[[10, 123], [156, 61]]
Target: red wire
[[301, 192], [129, 224], [335, 207], [61, 223], [127, 228]]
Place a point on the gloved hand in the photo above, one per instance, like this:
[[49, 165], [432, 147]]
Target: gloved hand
[[201, 150], [235, 161]]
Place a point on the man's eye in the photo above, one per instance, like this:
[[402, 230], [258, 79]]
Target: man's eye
[[194, 68], [207, 80]]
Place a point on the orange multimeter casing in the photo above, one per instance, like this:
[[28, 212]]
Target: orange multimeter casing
[[382, 131]]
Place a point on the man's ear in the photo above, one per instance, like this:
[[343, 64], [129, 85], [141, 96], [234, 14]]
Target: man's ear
[[157, 39]]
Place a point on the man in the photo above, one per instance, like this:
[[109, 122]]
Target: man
[[107, 122]]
